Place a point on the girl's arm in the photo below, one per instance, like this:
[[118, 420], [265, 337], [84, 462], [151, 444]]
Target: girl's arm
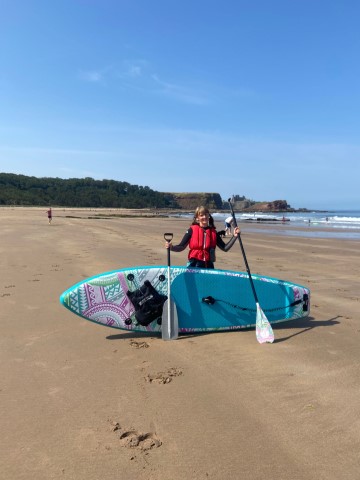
[[184, 242], [225, 247]]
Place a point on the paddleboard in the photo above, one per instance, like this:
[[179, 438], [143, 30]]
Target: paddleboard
[[206, 300]]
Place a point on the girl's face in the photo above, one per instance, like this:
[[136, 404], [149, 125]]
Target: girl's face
[[203, 219]]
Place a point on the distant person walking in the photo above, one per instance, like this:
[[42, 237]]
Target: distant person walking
[[49, 214]]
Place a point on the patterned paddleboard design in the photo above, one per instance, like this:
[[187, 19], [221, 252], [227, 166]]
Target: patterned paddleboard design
[[206, 300]]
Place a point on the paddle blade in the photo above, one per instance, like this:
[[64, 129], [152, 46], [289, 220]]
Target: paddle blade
[[170, 323], [264, 332]]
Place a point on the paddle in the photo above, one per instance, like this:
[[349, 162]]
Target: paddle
[[170, 324], [264, 332]]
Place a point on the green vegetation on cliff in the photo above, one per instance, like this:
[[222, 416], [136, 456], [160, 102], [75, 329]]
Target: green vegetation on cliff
[[75, 192], [87, 192]]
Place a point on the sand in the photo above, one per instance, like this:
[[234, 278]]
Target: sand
[[82, 401]]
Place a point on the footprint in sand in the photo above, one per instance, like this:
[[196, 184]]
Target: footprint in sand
[[135, 439], [135, 344], [55, 268], [164, 377], [54, 391]]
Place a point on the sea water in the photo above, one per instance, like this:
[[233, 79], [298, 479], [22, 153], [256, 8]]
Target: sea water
[[340, 224]]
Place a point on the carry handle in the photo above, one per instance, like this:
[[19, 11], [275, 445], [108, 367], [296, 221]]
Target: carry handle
[[168, 237]]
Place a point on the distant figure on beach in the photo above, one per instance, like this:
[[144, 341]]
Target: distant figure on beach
[[202, 239], [49, 214], [229, 221]]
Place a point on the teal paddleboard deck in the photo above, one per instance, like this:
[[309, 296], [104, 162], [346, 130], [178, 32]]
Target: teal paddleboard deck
[[206, 300]]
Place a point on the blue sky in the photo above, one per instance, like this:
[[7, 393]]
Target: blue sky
[[257, 98]]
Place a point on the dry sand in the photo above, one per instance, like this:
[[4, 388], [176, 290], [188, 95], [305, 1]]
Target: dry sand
[[81, 401]]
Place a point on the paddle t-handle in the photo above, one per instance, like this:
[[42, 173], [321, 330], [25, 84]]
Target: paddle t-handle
[[168, 237]]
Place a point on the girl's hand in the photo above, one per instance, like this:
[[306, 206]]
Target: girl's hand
[[236, 231], [168, 245]]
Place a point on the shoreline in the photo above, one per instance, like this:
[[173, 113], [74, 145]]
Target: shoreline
[[165, 211], [278, 228]]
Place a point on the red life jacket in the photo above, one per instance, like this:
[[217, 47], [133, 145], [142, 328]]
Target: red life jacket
[[201, 241]]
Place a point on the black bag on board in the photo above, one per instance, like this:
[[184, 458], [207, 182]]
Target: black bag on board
[[148, 303]]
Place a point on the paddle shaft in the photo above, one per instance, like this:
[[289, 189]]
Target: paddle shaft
[[244, 255], [168, 237]]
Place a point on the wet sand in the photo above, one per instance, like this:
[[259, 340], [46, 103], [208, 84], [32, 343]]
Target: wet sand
[[82, 401]]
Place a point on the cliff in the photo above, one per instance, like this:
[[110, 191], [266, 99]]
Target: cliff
[[274, 206], [189, 201]]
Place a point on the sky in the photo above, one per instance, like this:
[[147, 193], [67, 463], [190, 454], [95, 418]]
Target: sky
[[248, 97]]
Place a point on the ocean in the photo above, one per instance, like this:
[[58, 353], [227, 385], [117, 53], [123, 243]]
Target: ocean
[[341, 224]]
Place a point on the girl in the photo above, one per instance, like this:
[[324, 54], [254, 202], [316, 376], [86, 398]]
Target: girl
[[202, 239]]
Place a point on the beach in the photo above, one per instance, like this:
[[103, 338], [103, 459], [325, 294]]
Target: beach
[[83, 401]]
